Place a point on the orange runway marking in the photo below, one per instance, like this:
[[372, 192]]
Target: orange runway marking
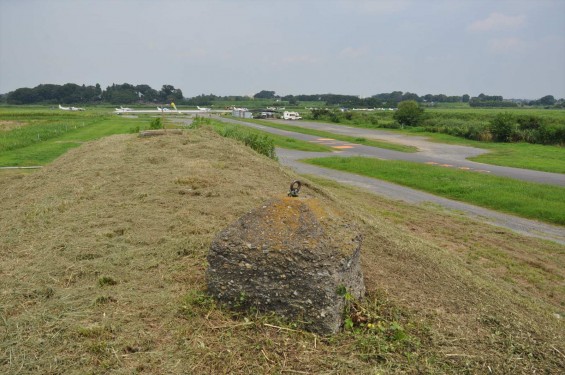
[[430, 162], [325, 139], [446, 165], [342, 147], [464, 168]]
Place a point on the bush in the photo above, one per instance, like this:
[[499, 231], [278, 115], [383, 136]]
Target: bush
[[502, 127], [409, 113]]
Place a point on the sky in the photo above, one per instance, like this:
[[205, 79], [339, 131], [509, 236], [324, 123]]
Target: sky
[[239, 47]]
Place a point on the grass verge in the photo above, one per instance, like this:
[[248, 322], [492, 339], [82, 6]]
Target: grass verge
[[345, 138], [527, 199], [543, 158]]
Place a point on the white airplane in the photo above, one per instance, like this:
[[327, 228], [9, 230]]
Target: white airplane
[[121, 110], [70, 108]]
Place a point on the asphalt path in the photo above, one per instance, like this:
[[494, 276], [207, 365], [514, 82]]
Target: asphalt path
[[442, 155]]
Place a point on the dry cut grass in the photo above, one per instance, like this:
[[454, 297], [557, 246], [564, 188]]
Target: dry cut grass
[[103, 256]]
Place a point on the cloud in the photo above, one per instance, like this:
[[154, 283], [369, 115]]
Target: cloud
[[299, 59], [505, 45], [353, 53], [497, 21], [380, 7]]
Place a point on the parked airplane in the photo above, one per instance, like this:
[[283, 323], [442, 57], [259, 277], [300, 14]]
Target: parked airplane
[[162, 109], [70, 108]]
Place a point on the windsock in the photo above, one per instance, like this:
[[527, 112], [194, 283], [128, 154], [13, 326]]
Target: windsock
[[174, 106]]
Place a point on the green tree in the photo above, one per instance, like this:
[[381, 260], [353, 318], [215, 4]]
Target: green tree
[[547, 100], [409, 113], [264, 94]]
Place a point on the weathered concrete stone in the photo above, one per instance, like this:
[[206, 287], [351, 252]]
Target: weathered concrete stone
[[291, 256]]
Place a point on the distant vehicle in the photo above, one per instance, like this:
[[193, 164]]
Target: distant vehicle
[[70, 108], [291, 115], [204, 109]]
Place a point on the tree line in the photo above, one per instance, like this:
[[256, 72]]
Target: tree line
[[71, 93], [126, 93]]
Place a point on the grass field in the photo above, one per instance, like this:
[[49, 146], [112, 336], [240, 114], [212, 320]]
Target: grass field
[[530, 200], [38, 137]]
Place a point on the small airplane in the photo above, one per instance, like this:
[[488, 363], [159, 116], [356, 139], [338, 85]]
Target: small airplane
[[70, 108], [164, 109]]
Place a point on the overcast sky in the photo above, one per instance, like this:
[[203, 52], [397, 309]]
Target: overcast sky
[[240, 47]]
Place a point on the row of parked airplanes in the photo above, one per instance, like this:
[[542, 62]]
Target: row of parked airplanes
[[162, 109], [158, 110]]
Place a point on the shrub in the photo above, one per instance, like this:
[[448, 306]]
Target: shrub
[[409, 113], [502, 126], [156, 123]]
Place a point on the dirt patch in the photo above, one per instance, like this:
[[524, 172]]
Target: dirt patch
[[7, 125], [103, 257]]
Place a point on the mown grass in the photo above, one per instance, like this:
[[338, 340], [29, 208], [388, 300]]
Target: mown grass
[[345, 138], [106, 272], [525, 155], [527, 199], [543, 158]]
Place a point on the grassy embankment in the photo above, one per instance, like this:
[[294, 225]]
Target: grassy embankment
[[527, 199], [103, 259]]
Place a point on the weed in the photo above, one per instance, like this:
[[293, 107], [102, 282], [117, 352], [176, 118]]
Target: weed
[[195, 303], [156, 123], [102, 300], [105, 280]]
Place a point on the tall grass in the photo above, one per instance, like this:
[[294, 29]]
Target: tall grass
[[257, 141], [36, 133]]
